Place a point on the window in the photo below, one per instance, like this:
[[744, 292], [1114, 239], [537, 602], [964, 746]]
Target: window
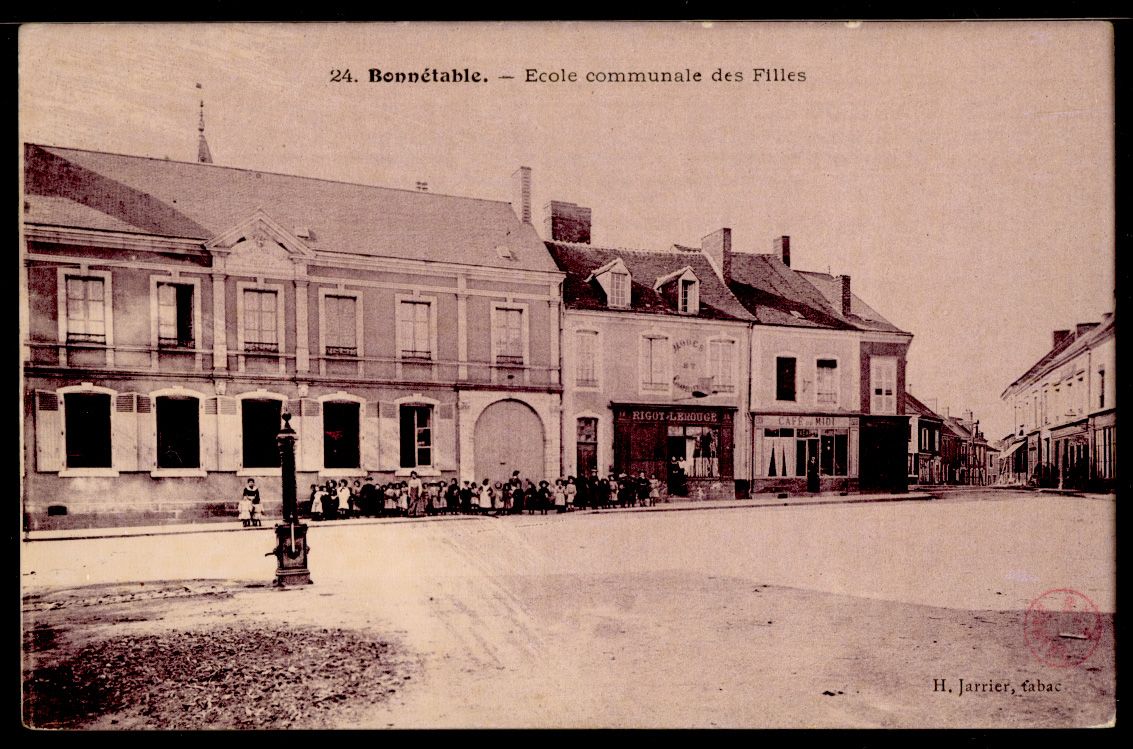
[[1101, 387], [340, 327], [416, 437], [619, 289], [86, 310], [883, 385], [261, 422], [261, 331], [827, 382], [341, 434], [587, 446], [174, 315], [926, 443], [178, 432], [655, 363], [721, 365], [697, 450], [413, 330], [508, 330], [88, 430], [586, 353], [785, 378], [1042, 408], [689, 302]]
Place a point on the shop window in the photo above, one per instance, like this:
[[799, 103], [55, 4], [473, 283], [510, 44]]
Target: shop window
[[261, 322], [416, 437], [175, 315], [414, 330], [721, 365], [787, 451], [340, 325], [507, 327], [785, 378], [87, 430], [827, 382], [586, 355], [341, 434], [696, 449], [260, 421], [86, 310], [178, 432], [883, 385]]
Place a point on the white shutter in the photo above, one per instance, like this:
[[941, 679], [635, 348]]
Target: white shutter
[[228, 433], [389, 445], [371, 436], [124, 425], [644, 371], [444, 437], [48, 432], [208, 436], [146, 435], [310, 428]]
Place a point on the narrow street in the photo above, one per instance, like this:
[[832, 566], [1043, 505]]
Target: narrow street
[[838, 615]]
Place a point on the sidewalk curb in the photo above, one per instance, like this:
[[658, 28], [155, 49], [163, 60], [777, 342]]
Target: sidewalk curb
[[96, 533]]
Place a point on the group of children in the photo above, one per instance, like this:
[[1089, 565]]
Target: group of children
[[414, 498]]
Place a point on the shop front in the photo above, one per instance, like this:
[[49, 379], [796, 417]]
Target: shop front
[[1071, 456], [688, 447], [791, 453]]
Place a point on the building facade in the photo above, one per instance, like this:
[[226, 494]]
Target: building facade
[[1065, 410], [175, 310], [655, 352], [925, 438]]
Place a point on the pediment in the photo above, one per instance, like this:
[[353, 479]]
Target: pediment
[[259, 242]]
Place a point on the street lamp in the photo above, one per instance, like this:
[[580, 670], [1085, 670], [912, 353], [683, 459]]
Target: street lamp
[[290, 536]]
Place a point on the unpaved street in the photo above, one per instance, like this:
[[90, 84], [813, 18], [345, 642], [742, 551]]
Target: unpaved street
[[839, 615]]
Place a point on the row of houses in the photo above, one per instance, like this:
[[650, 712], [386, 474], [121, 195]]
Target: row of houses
[[1065, 409], [174, 310], [948, 449]]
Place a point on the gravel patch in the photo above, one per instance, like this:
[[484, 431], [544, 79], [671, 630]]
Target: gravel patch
[[224, 677]]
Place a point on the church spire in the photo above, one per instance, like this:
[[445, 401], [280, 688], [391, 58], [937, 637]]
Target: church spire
[[204, 156]]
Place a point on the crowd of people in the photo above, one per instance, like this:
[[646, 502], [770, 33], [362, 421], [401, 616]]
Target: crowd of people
[[416, 498]]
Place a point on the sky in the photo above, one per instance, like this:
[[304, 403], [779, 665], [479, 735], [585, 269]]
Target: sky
[[961, 173]]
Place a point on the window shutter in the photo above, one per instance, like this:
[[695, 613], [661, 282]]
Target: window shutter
[[145, 435], [125, 426], [310, 427], [371, 435], [444, 437], [389, 446], [208, 436], [48, 432], [228, 433]]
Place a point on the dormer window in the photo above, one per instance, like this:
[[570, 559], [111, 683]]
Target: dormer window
[[614, 279], [689, 302], [619, 289]]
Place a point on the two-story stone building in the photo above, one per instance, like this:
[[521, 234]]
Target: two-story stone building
[[1065, 411], [655, 352], [174, 310]]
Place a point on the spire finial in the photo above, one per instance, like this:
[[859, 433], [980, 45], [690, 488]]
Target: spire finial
[[204, 155]]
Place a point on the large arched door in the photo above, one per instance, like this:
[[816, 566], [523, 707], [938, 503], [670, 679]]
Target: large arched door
[[509, 437]]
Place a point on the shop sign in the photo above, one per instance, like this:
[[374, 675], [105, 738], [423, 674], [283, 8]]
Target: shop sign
[[804, 421], [700, 417]]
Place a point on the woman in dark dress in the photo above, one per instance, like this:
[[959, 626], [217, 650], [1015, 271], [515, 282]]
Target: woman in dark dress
[[543, 500]]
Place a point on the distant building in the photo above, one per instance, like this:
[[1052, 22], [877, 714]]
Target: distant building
[[925, 427], [1065, 411]]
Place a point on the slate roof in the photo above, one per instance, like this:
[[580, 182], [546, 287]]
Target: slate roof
[[779, 295], [579, 260], [953, 425], [1067, 349], [915, 406], [112, 192]]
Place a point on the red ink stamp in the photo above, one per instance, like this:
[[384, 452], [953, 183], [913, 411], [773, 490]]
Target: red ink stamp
[[1062, 628]]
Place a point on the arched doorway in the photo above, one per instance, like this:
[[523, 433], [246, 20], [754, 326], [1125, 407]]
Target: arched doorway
[[509, 437]]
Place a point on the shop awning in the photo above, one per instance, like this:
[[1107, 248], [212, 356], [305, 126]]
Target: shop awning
[[1011, 450]]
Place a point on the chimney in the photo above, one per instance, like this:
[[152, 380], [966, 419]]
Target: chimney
[[847, 297], [1058, 337], [567, 222], [1084, 327], [783, 249], [521, 184], [718, 246]]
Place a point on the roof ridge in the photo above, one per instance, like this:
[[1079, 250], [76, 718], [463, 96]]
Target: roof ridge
[[261, 171], [587, 245]]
